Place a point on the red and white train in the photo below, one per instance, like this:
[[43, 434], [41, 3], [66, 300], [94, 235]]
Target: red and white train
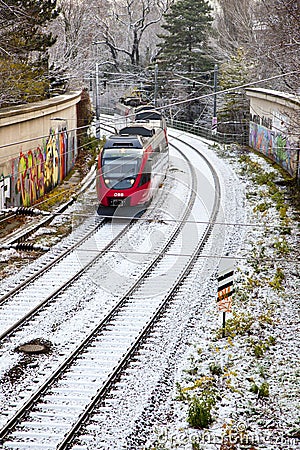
[[126, 105], [133, 163]]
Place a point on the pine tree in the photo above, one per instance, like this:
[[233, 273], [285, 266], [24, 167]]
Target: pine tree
[[184, 53], [232, 113], [24, 50], [184, 48]]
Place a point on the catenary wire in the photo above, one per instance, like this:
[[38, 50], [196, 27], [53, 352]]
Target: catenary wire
[[224, 91], [262, 259], [196, 222]]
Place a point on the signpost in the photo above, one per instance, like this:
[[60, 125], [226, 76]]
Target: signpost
[[225, 288], [214, 125]]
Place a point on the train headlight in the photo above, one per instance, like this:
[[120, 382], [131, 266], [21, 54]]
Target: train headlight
[[106, 180], [132, 181]]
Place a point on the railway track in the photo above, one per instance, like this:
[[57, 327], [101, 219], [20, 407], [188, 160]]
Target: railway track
[[63, 259], [24, 301], [54, 412], [97, 419], [21, 234]]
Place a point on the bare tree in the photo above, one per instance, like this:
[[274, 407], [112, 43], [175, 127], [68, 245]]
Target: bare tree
[[235, 22], [74, 53], [280, 38], [126, 26], [269, 33], [116, 36]]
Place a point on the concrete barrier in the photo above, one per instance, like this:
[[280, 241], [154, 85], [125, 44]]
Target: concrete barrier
[[274, 127], [38, 148]]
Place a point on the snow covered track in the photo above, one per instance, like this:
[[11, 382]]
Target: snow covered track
[[20, 235], [24, 301], [93, 335]]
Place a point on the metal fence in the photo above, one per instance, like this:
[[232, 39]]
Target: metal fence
[[224, 138], [108, 111]]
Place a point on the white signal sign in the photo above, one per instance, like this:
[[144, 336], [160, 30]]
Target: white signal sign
[[225, 287]]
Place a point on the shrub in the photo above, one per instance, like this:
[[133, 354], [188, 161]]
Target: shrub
[[276, 283], [215, 369], [262, 207], [262, 391], [239, 324], [282, 246], [199, 414], [271, 340], [260, 347]]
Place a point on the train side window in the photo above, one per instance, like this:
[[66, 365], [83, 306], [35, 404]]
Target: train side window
[[145, 178]]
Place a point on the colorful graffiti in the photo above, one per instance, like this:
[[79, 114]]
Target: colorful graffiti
[[275, 146], [38, 171], [27, 181]]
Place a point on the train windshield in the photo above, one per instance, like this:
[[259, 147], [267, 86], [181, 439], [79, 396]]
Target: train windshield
[[120, 170]]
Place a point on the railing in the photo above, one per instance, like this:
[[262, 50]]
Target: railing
[[109, 111], [224, 138]]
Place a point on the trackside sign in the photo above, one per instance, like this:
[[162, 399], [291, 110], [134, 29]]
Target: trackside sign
[[225, 285]]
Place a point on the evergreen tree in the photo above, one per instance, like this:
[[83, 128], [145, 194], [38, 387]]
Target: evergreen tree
[[184, 48], [24, 50], [184, 52], [234, 105]]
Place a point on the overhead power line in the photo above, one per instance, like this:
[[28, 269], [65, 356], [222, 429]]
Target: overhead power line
[[170, 221], [262, 259], [225, 91], [192, 99]]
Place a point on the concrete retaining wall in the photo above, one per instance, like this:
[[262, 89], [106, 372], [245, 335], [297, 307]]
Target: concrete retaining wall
[[274, 127], [38, 148]]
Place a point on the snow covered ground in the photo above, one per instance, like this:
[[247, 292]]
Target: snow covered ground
[[243, 389]]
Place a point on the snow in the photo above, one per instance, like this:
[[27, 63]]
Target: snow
[[186, 352], [270, 422]]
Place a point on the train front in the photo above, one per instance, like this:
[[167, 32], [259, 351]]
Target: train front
[[119, 172]]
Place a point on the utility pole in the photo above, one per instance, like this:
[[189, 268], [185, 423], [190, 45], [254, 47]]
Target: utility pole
[[155, 84], [97, 91], [215, 119], [97, 103]]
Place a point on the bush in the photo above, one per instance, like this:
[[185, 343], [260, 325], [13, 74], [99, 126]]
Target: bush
[[215, 369], [282, 247], [277, 281], [259, 349], [199, 415], [262, 391], [239, 324]]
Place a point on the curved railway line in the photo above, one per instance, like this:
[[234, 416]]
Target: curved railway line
[[51, 414]]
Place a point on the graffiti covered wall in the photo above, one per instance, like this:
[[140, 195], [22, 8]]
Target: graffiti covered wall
[[274, 121], [38, 148], [39, 170], [275, 146]]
